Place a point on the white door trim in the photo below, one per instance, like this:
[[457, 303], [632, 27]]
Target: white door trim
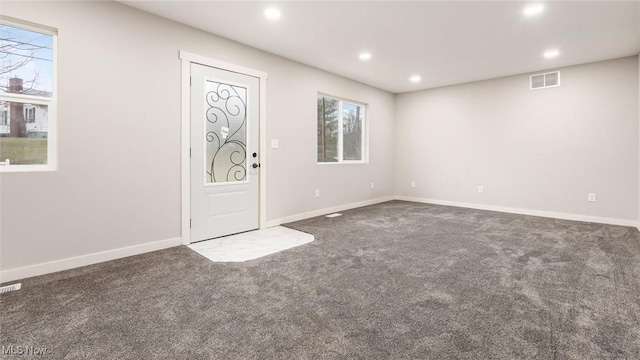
[[187, 59]]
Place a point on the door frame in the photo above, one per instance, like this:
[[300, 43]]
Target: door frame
[[187, 59]]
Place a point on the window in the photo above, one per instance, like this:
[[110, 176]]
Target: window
[[27, 97], [29, 114], [341, 131]]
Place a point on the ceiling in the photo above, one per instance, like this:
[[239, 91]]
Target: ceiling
[[445, 42]]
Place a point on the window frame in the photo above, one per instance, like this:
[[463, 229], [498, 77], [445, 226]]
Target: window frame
[[30, 114], [364, 135], [50, 102], [4, 116]]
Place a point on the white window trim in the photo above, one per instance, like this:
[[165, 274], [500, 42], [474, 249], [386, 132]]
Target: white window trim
[[52, 103], [365, 132]]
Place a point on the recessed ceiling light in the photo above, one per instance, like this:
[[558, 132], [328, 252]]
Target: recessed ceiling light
[[533, 10], [415, 78], [550, 54], [365, 56], [272, 13]]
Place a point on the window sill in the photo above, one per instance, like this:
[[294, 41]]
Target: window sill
[[27, 168]]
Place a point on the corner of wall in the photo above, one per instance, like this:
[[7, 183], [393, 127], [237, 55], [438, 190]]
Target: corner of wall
[[394, 180]]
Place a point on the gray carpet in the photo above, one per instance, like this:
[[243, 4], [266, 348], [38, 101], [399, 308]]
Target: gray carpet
[[397, 280]]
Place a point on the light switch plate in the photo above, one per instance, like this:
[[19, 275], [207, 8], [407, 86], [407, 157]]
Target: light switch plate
[[275, 143]]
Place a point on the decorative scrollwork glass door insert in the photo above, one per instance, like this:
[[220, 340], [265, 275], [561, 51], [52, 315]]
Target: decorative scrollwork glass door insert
[[225, 133]]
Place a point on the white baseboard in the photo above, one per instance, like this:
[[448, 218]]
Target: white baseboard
[[548, 214], [84, 260], [311, 214], [90, 259]]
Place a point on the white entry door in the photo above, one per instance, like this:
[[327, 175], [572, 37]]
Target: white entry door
[[224, 152]]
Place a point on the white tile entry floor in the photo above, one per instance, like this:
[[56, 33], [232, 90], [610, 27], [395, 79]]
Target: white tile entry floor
[[251, 245]]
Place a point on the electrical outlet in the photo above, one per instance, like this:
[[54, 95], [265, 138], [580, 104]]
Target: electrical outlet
[[480, 189], [372, 186], [317, 193], [591, 197], [413, 184]]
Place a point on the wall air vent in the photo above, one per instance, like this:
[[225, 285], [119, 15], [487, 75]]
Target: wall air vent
[[546, 80]]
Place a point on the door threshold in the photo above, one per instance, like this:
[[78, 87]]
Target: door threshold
[[251, 245]]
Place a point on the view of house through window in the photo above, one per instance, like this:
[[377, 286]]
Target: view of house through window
[[26, 96], [341, 132]]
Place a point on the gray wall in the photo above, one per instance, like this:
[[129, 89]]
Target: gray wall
[[538, 150], [118, 182]]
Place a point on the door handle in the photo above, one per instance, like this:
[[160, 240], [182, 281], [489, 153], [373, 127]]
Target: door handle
[[255, 165]]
